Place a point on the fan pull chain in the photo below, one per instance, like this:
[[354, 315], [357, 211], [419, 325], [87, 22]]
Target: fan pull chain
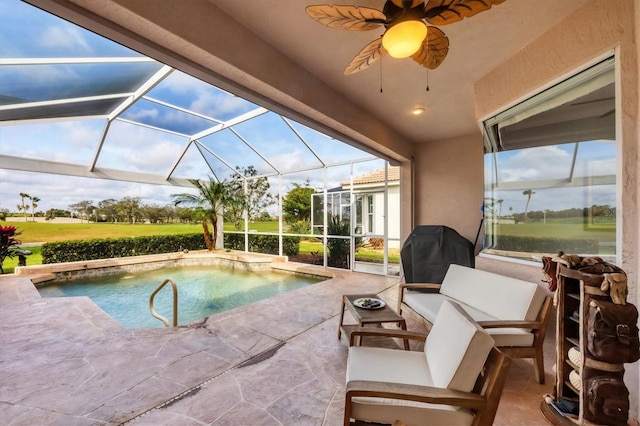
[[380, 75], [427, 79]]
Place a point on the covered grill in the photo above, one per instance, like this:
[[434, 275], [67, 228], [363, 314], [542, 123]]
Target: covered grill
[[430, 249]]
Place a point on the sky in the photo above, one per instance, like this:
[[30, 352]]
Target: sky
[[134, 143], [594, 158]]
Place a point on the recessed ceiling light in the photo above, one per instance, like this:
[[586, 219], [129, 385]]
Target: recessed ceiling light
[[417, 111]]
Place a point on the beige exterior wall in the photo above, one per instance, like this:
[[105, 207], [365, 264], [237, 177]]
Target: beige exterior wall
[[599, 28], [449, 187]]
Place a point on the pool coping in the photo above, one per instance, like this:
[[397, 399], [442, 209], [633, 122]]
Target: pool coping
[[227, 258]]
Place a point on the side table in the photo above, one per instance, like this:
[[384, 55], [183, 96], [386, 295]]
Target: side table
[[368, 316]]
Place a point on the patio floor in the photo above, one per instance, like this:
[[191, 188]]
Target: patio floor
[[275, 362]]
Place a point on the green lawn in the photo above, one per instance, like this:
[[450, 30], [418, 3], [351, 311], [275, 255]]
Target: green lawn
[[267, 226], [47, 232], [34, 259], [33, 232], [561, 228], [363, 254]]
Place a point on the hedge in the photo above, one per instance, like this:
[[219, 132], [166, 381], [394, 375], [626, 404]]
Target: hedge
[[546, 245], [267, 244], [106, 248]]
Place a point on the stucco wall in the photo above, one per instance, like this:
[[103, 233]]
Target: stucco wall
[[597, 28], [449, 184]]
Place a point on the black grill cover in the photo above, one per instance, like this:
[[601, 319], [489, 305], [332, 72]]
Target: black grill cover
[[430, 249]]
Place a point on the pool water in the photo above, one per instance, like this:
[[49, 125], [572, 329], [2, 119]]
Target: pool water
[[202, 291]]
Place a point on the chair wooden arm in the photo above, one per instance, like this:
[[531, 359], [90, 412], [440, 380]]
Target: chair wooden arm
[[385, 332], [534, 325], [413, 286], [426, 394]]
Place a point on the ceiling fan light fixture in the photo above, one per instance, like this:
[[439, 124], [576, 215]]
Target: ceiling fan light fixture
[[417, 110], [404, 38]]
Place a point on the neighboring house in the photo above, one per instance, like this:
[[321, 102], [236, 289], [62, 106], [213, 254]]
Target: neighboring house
[[369, 194]]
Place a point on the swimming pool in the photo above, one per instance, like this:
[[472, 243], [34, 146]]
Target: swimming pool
[[202, 291]]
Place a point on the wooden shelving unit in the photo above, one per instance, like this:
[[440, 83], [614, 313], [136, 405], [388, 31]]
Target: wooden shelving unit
[[575, 290]]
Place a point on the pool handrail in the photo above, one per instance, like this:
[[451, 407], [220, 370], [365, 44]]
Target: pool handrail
[[175, 303]]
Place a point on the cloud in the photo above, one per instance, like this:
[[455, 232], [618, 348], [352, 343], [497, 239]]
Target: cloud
[[67, 37], [553, 162]]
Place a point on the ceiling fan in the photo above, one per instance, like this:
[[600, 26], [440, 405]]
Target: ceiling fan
[[407, 33]]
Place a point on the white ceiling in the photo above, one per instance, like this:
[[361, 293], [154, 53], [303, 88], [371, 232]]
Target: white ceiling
[[477, 45]]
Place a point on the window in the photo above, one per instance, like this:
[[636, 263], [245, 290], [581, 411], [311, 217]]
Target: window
[[550, 170]]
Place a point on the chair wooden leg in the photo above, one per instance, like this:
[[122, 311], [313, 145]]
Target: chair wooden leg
[[538, 365], [347, 410]]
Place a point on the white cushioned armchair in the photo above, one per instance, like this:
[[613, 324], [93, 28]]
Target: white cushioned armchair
[[456, 380]]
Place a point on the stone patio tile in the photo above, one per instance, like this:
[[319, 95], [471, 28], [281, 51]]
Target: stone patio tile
[[263, 383], [197, 338], [334, 414], [204, 404], [43, 385], [245, 414], [304, 404], [237, 331], [146, 395], [16, 415], [193, 369], [156, 417]]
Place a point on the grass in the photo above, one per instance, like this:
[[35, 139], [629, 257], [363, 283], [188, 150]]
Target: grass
[[562, 228], [267, 226], [35, 232], [363, 254], [35, 258]]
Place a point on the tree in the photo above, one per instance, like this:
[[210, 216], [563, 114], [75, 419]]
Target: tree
[[108, 209], [34, 204], [83, 209], [528, 193], [129, 208], [499, 202], [8, 243], [210, 200], [296, 205], [254, 201], [23, 207]]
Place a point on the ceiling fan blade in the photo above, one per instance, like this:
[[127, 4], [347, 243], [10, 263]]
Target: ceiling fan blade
[[608, 113], [411, 3], [594, 101], [351, 18], [433, 50], [370, 54], [443, 12]]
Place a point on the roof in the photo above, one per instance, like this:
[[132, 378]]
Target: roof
[[376, 176], [93, 108]]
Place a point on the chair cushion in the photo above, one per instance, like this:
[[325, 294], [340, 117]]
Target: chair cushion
[[427, 305], [456, 348], [398, 366], [498, 295]]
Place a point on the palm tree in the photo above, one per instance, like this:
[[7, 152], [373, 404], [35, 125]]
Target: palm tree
[[528, 193], [210, 200], [34, 204], [499, 202], [24, 195]]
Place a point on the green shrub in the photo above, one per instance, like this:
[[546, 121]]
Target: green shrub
[[300, 227], [106, 248], [260, 243], [545, 245], [339, 248]]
